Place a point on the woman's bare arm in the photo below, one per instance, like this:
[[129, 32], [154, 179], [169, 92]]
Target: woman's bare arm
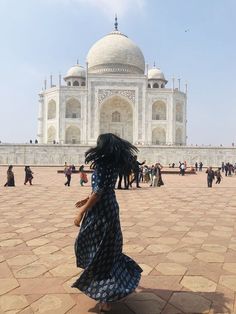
[[92, 200]]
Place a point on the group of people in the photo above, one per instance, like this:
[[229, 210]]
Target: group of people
[[11, 178], [68, 170], [212, 174], [141, 173], [228, 168]]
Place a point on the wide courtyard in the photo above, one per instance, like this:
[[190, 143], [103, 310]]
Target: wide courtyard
[[183, 235]]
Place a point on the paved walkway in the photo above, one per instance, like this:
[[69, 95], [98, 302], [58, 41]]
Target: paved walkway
[[183, 235]]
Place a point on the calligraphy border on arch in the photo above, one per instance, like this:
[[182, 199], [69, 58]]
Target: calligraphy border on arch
[[104, 93]]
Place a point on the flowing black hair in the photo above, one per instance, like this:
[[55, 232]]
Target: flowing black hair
[[111, 150]]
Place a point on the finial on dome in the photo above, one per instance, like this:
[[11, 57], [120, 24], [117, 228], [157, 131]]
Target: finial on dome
[[77, 61], [154, 64], [116, 23]]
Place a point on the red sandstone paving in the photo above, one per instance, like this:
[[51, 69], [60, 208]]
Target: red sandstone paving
[[182, 234]]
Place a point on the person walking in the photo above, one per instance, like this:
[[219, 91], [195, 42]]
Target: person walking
[[210, 176], [28, 175], [68, 175], [83, 176], [200, 166], [159, 176], [218, 176], [136, 171], [226, 169], [109, 275], [223, 166], [196, 166], [10, 177]]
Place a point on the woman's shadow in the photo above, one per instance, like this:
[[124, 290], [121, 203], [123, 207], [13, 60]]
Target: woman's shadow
[[158, 301]]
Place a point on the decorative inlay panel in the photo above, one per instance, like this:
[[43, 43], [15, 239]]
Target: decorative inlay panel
[[104, 93]]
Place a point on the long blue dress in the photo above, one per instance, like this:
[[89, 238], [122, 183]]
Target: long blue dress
[[108, 274]]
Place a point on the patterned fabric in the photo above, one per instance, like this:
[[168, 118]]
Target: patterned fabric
[[108, 274]]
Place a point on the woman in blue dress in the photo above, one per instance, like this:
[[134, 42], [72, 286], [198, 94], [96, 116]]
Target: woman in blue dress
[[109, 275]]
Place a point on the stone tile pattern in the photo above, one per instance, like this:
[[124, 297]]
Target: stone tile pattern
[[183, 235]]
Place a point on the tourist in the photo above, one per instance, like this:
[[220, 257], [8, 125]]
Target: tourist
[[218, 176], [223, 166], [83, 176], [157, 178], [210, 176], [68, 175], [226, 169], [136, 171], [152, 171], [182, 169], [28, 175], [196, 166], [141, 171], [10, 177], [200, 166], [154, 177], [65, 167], [108, 274], [146, 174], [230, 169]]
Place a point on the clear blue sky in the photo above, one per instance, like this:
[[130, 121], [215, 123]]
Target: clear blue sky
[[40, 37]]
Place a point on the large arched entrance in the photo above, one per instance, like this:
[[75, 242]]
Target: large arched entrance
[[116, 116], [51, 134]]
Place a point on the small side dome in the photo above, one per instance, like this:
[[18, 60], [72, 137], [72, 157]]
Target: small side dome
[[156, 74], [75, 71]]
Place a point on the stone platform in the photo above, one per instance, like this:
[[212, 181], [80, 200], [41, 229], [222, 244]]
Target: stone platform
[[183, 235]]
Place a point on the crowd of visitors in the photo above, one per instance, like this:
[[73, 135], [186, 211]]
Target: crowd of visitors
[[139, 173]]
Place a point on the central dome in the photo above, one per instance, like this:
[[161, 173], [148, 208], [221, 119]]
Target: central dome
[[115, 53]]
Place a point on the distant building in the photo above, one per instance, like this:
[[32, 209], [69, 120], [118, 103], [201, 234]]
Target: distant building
[[113, 94]]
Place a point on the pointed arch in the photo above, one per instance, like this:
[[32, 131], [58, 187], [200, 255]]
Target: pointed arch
[[51, 135], [72, 135], [52, 109], [158, 136], [73, 109], [179, 136], [179, 112], [116, 116], [75, 83], [159, 110]]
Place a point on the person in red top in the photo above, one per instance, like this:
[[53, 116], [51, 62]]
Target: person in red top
[[83, 176]]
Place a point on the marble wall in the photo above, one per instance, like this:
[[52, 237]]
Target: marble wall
[[41, 154]]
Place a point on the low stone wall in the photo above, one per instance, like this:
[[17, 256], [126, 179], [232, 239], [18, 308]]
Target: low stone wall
[[49, 155]]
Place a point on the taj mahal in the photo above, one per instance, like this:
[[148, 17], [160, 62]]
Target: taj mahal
[[115, 92]]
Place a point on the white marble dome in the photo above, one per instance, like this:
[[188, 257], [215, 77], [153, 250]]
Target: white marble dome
[[76, 71], [115, 53], [156, 74]]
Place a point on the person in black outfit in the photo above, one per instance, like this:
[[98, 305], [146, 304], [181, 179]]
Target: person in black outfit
[[210, 177], [10, 177], [28, 175], [136, 171], [200, 166]]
